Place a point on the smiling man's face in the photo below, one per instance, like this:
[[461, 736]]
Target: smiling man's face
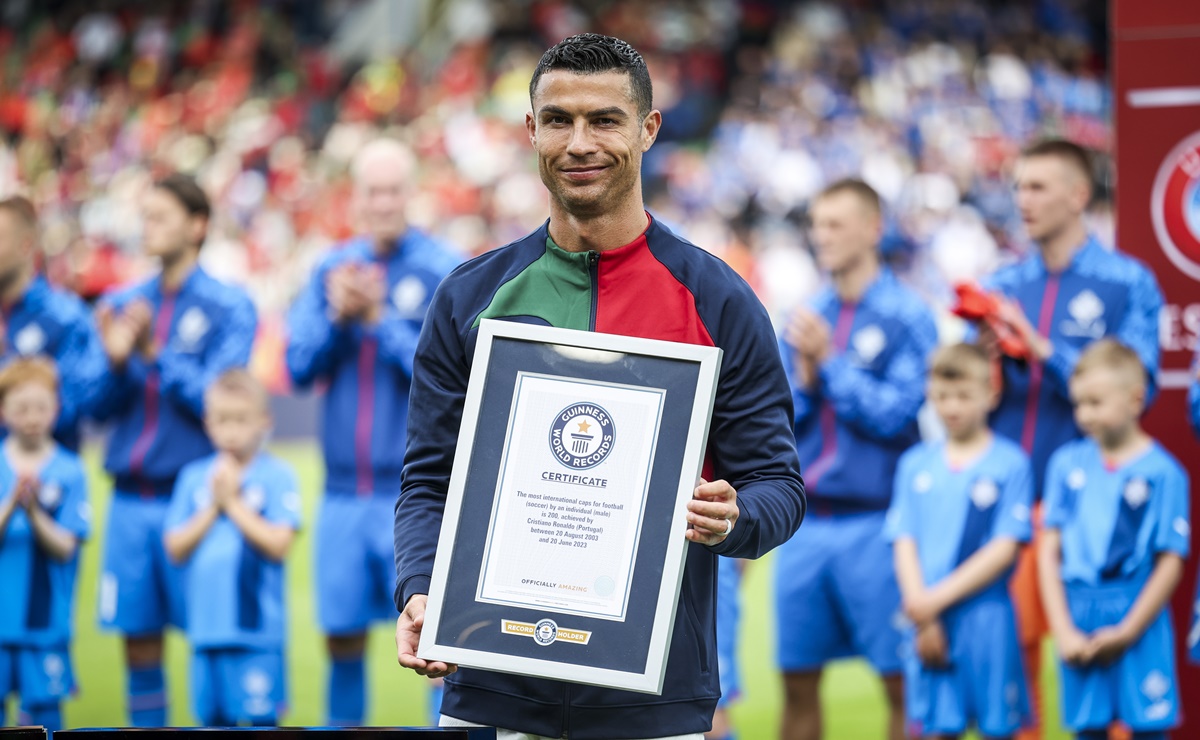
[[589, 139]]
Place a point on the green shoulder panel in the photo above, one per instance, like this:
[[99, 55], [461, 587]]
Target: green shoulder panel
[[557, 288]]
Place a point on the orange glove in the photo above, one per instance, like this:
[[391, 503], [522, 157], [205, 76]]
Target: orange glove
[[977, 305]]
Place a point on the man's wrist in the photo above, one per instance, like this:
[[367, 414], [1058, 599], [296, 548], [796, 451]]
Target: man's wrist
[[1127, 633], [415, 585]]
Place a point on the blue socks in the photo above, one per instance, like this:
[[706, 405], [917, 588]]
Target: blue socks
[[147, 697], [46, 715], [347, 692]]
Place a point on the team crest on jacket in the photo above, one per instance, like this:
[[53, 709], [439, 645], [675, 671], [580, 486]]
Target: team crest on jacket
[[30, 340], [409, 295], [868, 342], [582, 435], [255, 498], [1175, 206], [1137, 490], [1076, 479], [923, 482], [193, 325], [1086, 311], [50, 495], [202, 497], [984, 493]]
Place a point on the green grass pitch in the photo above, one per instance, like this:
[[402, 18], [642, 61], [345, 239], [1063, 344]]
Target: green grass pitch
[[853, 697]]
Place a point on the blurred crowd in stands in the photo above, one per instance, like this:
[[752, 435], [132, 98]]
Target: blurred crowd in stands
[[764, 101]]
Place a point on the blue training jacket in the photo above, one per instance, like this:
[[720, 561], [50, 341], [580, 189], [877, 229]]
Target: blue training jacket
[[659, 287], [368, 369], [853, 424], [157, 407], [52, 322], [1100, 294]]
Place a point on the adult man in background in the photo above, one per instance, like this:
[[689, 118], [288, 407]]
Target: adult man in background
[[856, 358], [355, 327], [166, 339], [1068, 293], [601, 263], [42, 320]]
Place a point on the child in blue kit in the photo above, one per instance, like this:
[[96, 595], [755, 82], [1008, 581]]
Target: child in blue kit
[[44, 515], [231, 521], [960, 511], [1116, 538]]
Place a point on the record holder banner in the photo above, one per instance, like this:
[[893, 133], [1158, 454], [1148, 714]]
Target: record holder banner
[[562, 546]]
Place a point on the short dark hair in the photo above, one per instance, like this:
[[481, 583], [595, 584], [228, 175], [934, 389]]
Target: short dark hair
[[189, 194], [592, 53], [1074, 155], [856, 187]]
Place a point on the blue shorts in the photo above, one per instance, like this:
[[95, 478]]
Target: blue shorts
[[984, 685], [141, 591], [1141, 688], [836, 595], [40, 676], [356, 562], [232, 686], [729, 581]]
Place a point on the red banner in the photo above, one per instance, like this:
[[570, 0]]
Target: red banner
[[1156, 89]]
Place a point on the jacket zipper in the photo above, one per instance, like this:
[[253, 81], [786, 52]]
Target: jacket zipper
[[594, 270], [566, 727]]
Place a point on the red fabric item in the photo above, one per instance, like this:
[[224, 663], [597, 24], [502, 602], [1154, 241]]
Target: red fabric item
[[637, 296], [977, 305]]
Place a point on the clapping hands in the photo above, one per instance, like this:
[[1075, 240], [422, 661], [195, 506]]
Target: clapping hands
[[124, 330], [355, 291]]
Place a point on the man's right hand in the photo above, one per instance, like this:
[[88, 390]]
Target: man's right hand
[[808, 334], [339, 293], [408, 636], [120, 332]]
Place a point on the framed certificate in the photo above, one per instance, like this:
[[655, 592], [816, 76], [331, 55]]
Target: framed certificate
[[562, 546]]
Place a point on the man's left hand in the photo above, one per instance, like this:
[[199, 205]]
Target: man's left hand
[[1013, 315], [712, 512], [370, 289], [811, 335]]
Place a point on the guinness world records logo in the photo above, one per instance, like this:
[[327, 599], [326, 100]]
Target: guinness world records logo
[[1175, 206], [582, 435]]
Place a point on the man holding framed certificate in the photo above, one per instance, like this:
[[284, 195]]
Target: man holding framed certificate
[[600, 264]]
